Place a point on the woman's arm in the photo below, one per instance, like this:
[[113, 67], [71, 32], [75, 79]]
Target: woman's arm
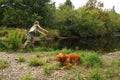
[[42, 29]]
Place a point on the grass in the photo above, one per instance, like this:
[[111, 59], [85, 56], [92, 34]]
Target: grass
[[116, 62], [77, 73], [13, 41], [21, 59], [47, 69], [90, 59], [95, 74], [27, 77], [38, 55], [87, 70], [3, 64], [109, 72], [36, 62]]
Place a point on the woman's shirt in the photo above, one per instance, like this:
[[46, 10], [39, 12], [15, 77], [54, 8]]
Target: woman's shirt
[[33, 28]]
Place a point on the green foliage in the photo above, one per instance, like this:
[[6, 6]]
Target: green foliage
[[3, 31], [14, 41], [21, 13], [90, 59], [27, 77], [91, 4], [3, 64], [109, 72], [66, 20], [95, 75], [2, 45], [14, 17], [53, 33], [47, 69], [112, 25], [87, 21], [35, 62], [65, 50], [69, 3], [38, 55], [116, 62], [43, 49], [21, 59]]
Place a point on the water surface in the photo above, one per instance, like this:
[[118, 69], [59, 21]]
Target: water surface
[[108, 44]]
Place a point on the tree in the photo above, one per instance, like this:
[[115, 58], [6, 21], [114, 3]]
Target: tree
[[24, 12], [69, 3], [112, 25], [91, 4]]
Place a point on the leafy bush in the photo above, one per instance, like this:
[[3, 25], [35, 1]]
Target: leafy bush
[[3, 64], [38, 55], [14, 41], [3, 31], [53, 34], [2, 45]]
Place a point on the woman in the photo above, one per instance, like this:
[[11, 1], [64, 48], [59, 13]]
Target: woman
[[31, 33]]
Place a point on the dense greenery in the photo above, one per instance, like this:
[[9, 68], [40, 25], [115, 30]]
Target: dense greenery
[[89, 20]]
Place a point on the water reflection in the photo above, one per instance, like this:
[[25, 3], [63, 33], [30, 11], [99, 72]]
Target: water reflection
[[96, 44]]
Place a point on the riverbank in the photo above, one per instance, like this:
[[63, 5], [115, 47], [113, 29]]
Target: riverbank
[[17, 70]]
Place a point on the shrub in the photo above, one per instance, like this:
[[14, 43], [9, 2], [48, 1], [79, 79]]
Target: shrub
[[90, 59], [3, 64], [14, 41], [53, 34], [21, 59], [3, 33], [2, 45], [35, 62]]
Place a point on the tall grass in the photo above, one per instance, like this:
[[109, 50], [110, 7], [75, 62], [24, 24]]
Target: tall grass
[[90, 59], [3, 64], [63, 50], [3, 31], [116, 62], [95, 74], [35, 62], [14, 41], [47, 69], [21, 59], [109, 72]]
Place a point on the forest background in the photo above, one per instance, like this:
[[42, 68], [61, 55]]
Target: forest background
[[90, 20]]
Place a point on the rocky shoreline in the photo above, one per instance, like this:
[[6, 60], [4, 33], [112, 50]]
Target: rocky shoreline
[[16, 70]]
